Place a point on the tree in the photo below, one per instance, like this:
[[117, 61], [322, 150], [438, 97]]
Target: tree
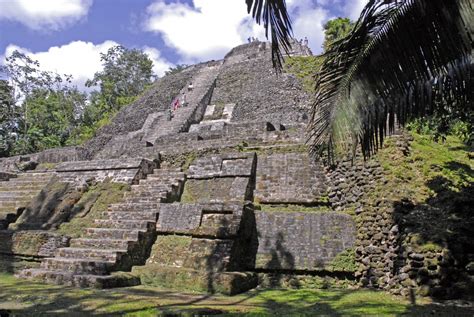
[[126, 73], [403, 60], [336, 29], [43, 108], [8, 116]]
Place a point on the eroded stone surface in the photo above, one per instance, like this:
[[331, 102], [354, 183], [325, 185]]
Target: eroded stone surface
[[302, 241], [289, 178]]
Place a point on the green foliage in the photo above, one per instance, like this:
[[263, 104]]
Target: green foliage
[[335, 30], [398, 63], [440, 127], [126, 73], [304, 68], [39, 108], [8, 113]]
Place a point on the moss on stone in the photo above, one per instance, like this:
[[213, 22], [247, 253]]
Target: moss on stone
[[46, 166], [304, 68], [170, 250], [106, 194], [194, 280], [207, 190], [344, 262]]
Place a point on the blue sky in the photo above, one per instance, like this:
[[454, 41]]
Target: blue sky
[[67, 35]]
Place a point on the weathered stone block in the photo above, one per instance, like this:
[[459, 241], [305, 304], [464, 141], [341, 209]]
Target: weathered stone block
[[230, 165], [118, 170], [31, 243], [302, 241], [289, 178], [217, 190]]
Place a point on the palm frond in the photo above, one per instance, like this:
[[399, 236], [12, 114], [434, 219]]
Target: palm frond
[[404, 59], [273, 14]]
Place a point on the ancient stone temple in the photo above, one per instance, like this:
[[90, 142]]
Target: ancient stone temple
[[212, 196]]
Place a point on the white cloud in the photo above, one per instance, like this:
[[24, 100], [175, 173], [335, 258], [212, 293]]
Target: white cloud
[[308, 21], [353, 8], [45, 14], [206, 31], [160, 65], [81, 59]]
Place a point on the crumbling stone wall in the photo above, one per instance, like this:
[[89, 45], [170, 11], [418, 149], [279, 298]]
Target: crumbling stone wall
[[387, 252]]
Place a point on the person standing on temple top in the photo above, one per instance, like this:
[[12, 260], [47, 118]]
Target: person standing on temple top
[[249, 39], [305, 41], [190, 86]]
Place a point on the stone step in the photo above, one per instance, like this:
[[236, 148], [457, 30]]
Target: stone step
[[126, 207], [147, 196], [159, 192], [150, 198], [106, 255], [100, 243], [26, 186], [77, 266], [162, 180], [144, 186], [34, 175], [119, 234], [9, 208], [81, 280], [168, 170], [165, 174], [18, 199], [17, 193], [132, 215], [11, 204], [125, 224]]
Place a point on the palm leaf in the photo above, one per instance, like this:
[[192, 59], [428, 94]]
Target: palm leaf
[[404, 59], [273, 14]]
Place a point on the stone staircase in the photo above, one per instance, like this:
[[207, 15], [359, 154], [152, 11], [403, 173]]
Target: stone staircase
[[184, 116], [120, 239], [17, 193]]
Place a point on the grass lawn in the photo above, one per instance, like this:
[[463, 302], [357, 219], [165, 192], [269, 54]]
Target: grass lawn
[[26, 298]]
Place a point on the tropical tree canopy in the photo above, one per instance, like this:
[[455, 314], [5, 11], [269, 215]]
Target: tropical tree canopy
[[336, 29], [403, 60]]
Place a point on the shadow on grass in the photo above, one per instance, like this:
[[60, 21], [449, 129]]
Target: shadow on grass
[[26, 298]]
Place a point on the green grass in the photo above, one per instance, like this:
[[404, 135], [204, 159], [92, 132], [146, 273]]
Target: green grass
[[435, 181], [27, 298]]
